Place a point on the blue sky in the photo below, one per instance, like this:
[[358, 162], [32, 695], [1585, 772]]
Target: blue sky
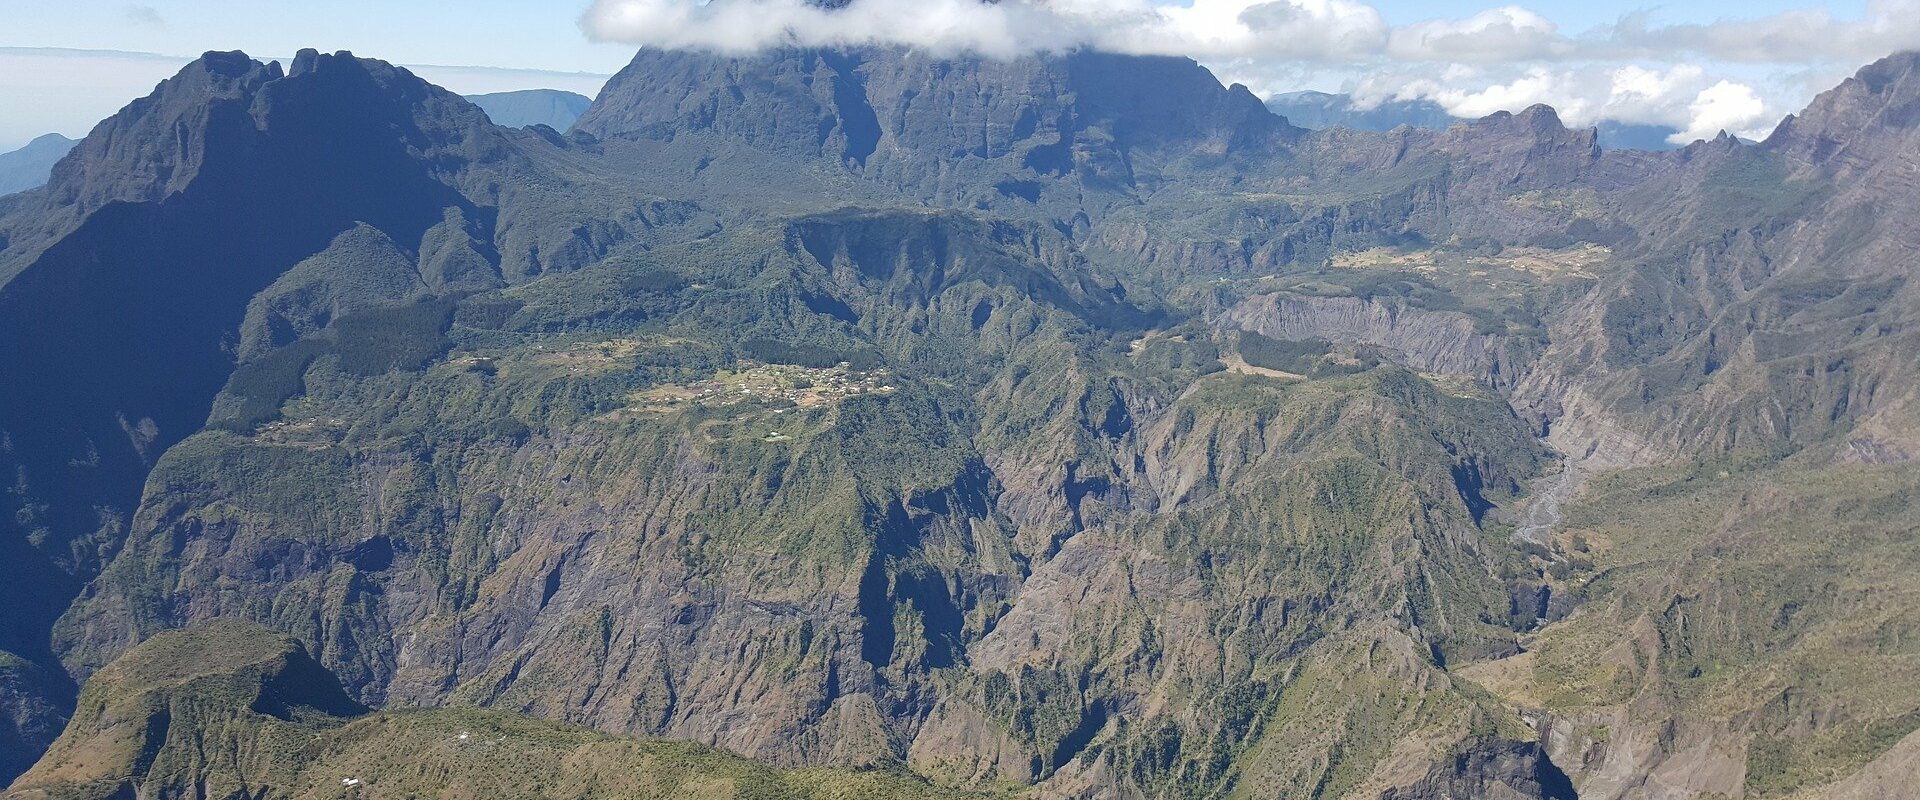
[[1690, 65], [546, 34], [1580, 15], [541, 34]]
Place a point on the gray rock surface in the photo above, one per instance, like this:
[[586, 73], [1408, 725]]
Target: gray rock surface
[[1068, 547]]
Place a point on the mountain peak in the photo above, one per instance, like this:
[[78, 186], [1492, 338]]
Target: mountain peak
[[1537, 125], [527, 107], [1874, 112], [29, 166], [229, 64], [1539, 117], [1891, 73], [309, 60], [304, 61], [155, 145], [239, 682], [902, 114], [1542, 116]]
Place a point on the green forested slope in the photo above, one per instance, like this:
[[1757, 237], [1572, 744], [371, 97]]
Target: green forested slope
[[1067, 426], [231, 709]]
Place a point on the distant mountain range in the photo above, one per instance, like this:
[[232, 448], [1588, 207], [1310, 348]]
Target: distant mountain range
[[550, 107], [1067, 426], [1320, 110], [29, 166]]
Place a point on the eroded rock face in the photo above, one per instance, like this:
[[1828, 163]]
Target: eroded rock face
[[123, 282], [172, 214], [230, 709], [1429, 341], [611, 576], [959, 131], [457, 440], [1496, 769], [32, 712], [207, 711], [1669, 759]]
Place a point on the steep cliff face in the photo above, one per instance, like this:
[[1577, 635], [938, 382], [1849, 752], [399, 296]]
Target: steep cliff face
[[207, 712], [1715, 651], [278, 166], [132, 208], [1120, 441], [960, 131], [1503, 181], [606, 563], [631, 559], [1853, 129], [1718, 330], [231, 709], [1276, 521], [1503, 769], [126, 278], [34, 705], [1430, 341]]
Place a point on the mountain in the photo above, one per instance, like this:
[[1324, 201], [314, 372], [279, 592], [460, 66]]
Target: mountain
[[957, 133], [235, 709], [1318, 110], [29, 166], [1067, 425], [290, 160], [550, 107]]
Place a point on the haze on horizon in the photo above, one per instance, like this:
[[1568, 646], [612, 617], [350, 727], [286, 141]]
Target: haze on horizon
[[1696, 68]]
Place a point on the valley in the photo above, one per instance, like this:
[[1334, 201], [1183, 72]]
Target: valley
[[865, 423]]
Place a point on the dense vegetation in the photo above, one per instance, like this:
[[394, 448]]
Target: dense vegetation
[[269, 722], [888, 426]]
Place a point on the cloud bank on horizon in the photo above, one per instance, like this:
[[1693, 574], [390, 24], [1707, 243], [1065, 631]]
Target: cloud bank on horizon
[[1736, 75]]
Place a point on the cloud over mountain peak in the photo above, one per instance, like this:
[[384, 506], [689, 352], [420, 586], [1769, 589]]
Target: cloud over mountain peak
[[1698, 78]]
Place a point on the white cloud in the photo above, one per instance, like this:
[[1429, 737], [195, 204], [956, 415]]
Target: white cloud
[[1313, 30], [1538, 85], [1349, 32], [1510, 33], [1688, 100], [746, 25], [1685, 97], [1323, 30], [1800, 36], [1727, 106], [1695, 78]]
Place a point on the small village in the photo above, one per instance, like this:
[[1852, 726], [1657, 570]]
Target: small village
[[307, 432], [775, 385]]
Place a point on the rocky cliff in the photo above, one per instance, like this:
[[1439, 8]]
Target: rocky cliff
[[230, 709], [958, 132], [1068, 423]]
